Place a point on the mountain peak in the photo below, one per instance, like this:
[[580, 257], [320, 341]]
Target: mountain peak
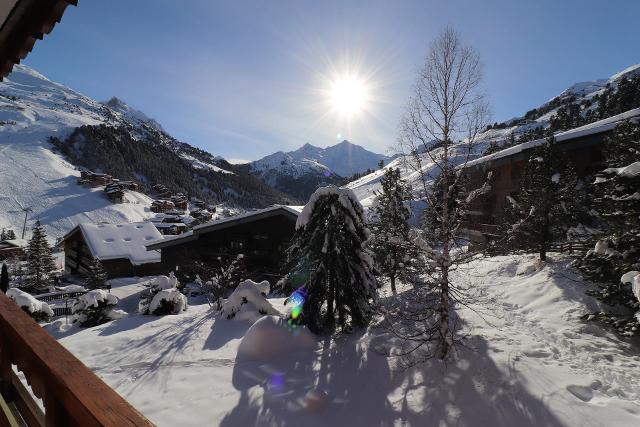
[[122, 107]]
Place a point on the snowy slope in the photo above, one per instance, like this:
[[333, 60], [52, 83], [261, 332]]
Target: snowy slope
[[33, 108], [530, 361]]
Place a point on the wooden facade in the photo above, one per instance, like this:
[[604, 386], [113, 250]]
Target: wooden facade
[[262, 237], [12, 249], [79, 258], [582, 147]]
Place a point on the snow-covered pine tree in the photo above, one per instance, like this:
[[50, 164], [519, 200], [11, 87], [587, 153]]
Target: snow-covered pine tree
[[97, 276], [330, 247], [10, 235], [617, 204], [551, 199], [394, 243], [4, 278], [3, 235], [40, 264]]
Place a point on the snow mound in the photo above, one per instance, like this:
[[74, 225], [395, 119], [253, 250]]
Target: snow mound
[[272, 337], [93, 299], [29, 303], [627, 278], [247, 302], [529, 267], [172, 297], [164, 282], [635, 286], [263, 286]]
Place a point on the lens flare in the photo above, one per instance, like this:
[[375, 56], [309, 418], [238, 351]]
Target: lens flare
[[297, 301]]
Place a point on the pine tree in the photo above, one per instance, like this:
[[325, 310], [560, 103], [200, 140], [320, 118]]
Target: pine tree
[[97, 276], [40, 265], [4, 278], [394, 244], [10, 235], [549, 202], [617, 205], [330, 248], [3, 235]]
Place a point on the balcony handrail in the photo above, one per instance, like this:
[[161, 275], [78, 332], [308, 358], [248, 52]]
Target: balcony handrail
[[71, 392]]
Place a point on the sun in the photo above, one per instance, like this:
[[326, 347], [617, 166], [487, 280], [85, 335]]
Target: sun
[[348, 95]]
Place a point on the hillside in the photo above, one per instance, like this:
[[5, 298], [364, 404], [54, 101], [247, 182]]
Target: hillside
[[301, 171], [578, 105], [34, 109]]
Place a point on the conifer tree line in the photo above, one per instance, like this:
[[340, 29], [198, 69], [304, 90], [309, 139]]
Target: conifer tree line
[[615, 259], [550, 200], [114, 151], [7, 234]]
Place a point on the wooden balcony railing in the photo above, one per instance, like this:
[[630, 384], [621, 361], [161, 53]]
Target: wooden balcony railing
[[71, 393]]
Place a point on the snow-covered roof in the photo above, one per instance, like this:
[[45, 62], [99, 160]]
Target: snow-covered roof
[[292, 211], [600, 126], [17, 243], [114, 241]]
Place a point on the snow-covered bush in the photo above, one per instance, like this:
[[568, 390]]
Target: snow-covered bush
[[248, 302], [163, 297], [96, 307], [38, 310]]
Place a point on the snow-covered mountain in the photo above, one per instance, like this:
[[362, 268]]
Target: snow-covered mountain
[[35, 110], [301, 171], [583, 96], [343, 159]]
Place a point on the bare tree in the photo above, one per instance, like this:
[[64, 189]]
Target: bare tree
[[437, 134]]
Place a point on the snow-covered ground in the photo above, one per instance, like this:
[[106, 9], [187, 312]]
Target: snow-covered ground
[[530, 361]]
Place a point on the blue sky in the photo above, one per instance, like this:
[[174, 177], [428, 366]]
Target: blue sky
[[243, 79]]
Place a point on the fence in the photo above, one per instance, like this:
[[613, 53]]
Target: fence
[[54, 296], [571, 247]]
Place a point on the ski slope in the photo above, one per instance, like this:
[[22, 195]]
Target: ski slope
[[33, 108]]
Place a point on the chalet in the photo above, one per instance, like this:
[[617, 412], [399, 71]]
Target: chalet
[[160, 206], [198, 203], [12, 249], [582, 147], [93, 179], [201, 215], [129, 185], [171, 228], [161, 190], [261, 236], [121, 248], [115, 192], [180, 201]]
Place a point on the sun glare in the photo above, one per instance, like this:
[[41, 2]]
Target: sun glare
[[348, 95]]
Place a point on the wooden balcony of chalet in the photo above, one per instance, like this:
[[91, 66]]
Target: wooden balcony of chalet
[[71, 394]]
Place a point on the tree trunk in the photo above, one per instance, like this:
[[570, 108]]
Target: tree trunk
[[331, 294], [444, 343], [545, 236]]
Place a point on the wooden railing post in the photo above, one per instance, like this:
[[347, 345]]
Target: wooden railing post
[[72, 394], [6, 387]]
